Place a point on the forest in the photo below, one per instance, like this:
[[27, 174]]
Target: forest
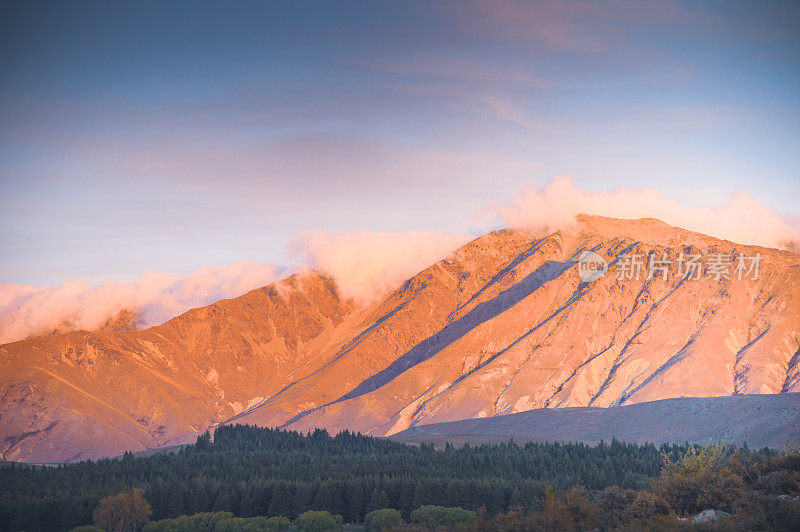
[[246, 472]]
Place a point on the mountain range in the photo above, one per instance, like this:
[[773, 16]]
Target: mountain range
[[505, 324]]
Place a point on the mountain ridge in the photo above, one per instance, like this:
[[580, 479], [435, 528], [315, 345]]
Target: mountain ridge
[[504, 324]]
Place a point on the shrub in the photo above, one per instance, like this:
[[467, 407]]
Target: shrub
[[614, 502], [701, 478], [202, 522], [581, 509], [437, 516], [759, 511], [313, 521], [780, 476], [647, 507], [253, 524], [379, 520], [219, 522], [123, 511]]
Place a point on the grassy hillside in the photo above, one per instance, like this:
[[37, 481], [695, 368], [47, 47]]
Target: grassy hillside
[[755, 420]]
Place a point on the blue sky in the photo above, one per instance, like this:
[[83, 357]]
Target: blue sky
[[179, 135]]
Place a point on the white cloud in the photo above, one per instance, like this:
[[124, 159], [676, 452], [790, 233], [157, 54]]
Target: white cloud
[[155, 297], [740, 219], [367, 265]]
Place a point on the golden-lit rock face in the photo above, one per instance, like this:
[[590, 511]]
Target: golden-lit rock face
[[503, 325]]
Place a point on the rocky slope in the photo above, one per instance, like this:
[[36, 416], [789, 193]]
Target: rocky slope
[[89, 394], [503, 325]]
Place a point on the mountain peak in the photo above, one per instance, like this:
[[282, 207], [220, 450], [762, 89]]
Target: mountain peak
[[505, 324]]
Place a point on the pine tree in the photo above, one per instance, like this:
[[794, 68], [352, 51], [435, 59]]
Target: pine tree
[[223, 502], [249, 505], [75, 515], [407, 499], [324, 498], [175, 503], [303, 498], [516, 500], [355, 498], [420, 498], [281, 504], [377, 500]]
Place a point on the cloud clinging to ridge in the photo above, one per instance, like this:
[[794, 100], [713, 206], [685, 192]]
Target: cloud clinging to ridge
[[154, 297], [367, 265], [741, 219]]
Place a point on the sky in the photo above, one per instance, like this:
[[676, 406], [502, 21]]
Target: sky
[[175, 136]]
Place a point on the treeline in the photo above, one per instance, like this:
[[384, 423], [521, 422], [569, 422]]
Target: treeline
[[251, 471]]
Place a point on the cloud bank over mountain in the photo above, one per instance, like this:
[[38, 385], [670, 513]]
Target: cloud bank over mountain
[[367, 264], [153, 298], [741, 219]]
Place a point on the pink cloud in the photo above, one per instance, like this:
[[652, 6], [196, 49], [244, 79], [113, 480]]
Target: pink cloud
[[154, 298], [740, 219], [367, 265]]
